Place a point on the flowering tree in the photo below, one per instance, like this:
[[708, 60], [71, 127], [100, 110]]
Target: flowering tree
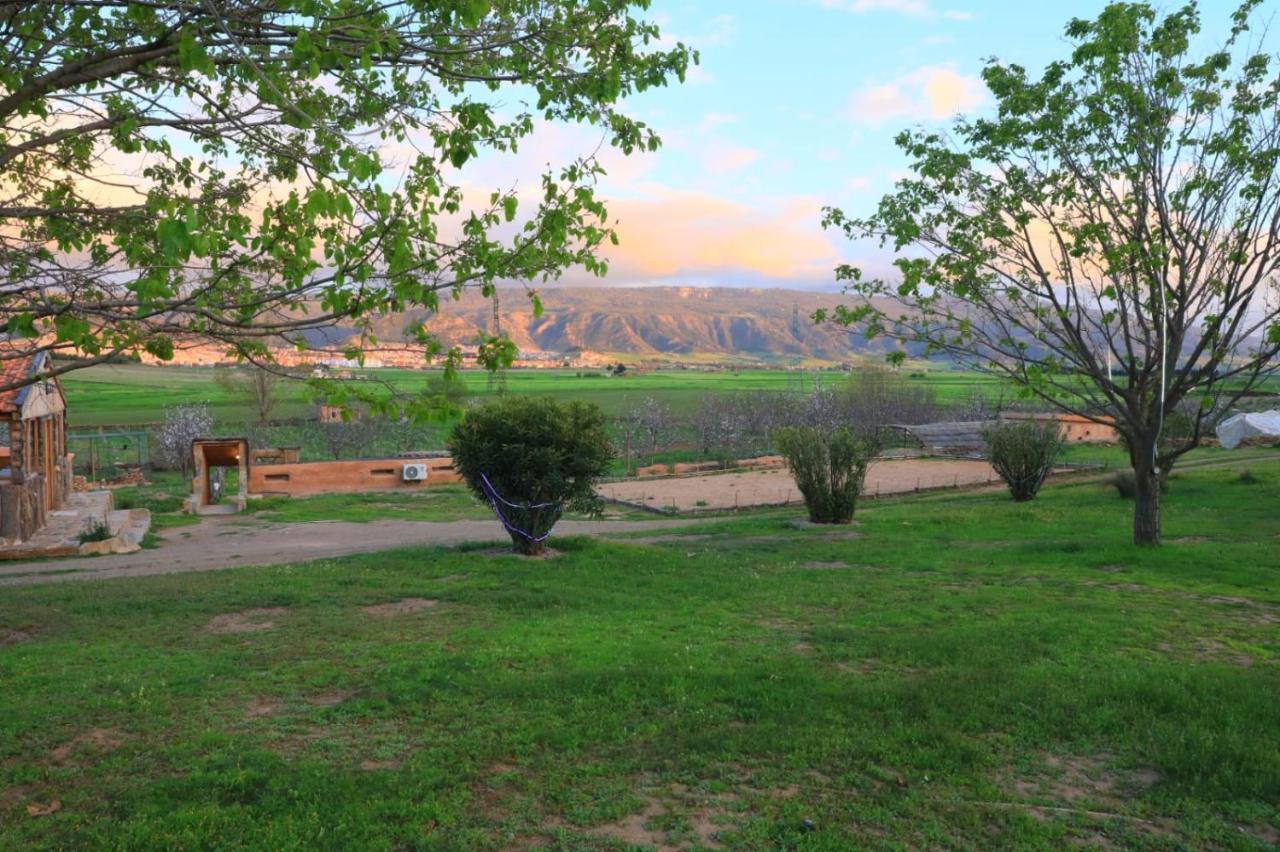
[[182, 425]]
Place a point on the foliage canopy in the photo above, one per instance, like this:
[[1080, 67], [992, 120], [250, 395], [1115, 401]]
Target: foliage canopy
[[1108, 238]]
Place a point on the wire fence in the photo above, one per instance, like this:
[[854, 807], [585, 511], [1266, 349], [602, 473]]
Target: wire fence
[[105, 455]]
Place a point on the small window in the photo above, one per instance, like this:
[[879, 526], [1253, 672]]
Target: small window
[[277, 477], [384, 471]]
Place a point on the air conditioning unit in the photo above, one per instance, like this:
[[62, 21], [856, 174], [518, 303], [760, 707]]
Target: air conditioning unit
[[413, 472]]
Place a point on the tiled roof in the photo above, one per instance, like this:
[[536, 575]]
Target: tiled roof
[[14, 370]]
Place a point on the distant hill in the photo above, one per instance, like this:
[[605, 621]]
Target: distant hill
[[718, 323]]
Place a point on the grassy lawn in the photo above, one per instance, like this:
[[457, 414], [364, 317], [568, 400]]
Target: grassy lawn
[[954, 671]]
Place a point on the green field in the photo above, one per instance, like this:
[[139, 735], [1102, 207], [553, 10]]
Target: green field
[[961, 672], [133, 394]]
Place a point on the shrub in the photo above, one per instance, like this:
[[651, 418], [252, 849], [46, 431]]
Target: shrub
[[829, 466], [1247, 477], [1022, 453], [94, 531], [529, 458], [1125, 482]]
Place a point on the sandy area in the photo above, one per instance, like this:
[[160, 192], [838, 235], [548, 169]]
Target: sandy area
[[776, 487]]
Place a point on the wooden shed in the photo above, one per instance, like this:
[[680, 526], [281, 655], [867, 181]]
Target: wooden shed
[[35, 469]]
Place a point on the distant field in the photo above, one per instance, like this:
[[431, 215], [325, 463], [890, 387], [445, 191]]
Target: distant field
[[133, 394]]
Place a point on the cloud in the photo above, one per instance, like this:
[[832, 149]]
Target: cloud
[[910, 8], [716, 31], [720, 159], [930, 93], [712, 120], [696, 75], [676, 234]]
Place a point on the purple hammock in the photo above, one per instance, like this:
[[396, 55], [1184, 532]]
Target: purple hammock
[[496, 502]]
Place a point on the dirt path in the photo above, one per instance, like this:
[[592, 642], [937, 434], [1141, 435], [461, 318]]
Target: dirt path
[[217, 543], [776, 487]]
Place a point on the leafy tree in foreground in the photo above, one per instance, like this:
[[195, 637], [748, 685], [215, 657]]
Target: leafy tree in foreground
[[243, 172], [829, 466], [530, 458], [1108, 240], [1023, 453]]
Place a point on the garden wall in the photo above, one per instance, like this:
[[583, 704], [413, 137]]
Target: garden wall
[[347, 476]]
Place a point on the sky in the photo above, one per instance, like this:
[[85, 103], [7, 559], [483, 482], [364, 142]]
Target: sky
[[795, 106]]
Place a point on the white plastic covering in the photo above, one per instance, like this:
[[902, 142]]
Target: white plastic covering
[[1235, 429]]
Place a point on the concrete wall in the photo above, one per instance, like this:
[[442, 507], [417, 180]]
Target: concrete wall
[[329, 477]]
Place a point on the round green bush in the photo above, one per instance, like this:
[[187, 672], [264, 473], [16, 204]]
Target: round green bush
[[539, 456]]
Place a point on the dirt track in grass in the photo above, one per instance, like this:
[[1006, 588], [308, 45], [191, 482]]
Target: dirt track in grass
[[228, 542]]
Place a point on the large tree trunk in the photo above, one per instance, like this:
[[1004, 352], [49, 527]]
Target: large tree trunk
[[1146, 505]]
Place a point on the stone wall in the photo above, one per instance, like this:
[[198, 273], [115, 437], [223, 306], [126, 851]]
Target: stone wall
[[22, 508]]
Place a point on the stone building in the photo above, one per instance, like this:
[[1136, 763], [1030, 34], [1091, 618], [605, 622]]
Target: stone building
[[35, 469]]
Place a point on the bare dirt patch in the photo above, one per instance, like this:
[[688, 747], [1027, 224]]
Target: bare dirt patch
[[664, 539], [90, 743], [634, 829], [12, 636], [497, 552], [375, 765], [39, 809], [1252, 612], [777, 487], [405, 606], [11, 797], [695, 823], [1076, 780], [869, 666], [829, 566], [1207, 650], [246, 620], [260, 707], [330, 697]]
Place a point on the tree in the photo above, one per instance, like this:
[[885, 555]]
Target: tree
[[259, 387], [350, 438], [182, 425], [292, 165], [1108, 239], [1023, 453], [529, 458], [651, 419]]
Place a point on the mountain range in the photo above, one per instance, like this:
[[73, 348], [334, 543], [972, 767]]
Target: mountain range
[[721, 323]]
